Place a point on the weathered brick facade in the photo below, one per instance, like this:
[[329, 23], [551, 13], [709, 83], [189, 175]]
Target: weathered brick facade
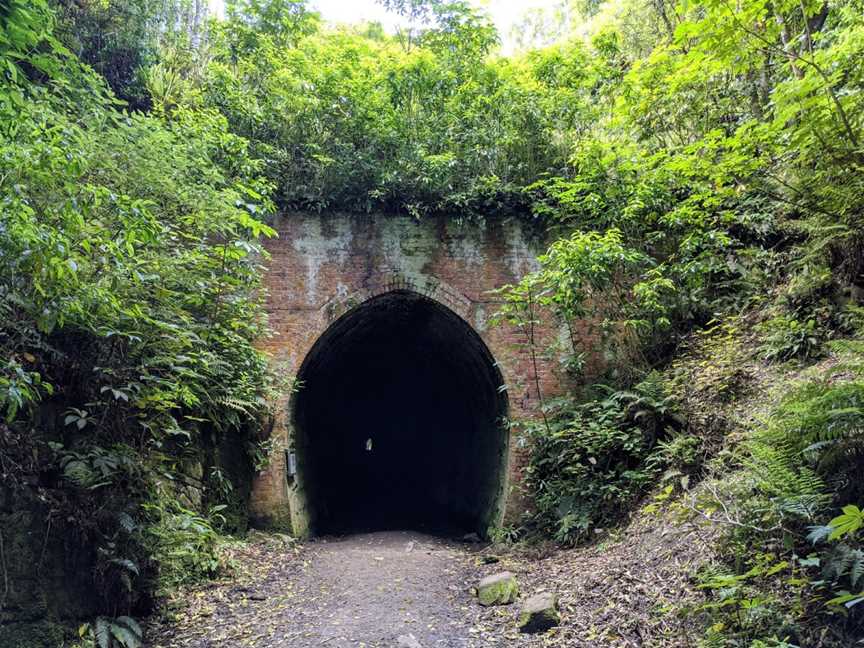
[[321, 266]]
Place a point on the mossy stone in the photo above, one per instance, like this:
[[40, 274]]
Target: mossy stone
[[539, 613], [498, 589]]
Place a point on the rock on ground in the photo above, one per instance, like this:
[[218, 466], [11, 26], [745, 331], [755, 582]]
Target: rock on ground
[[369, 590], [539, 613], [498, 589]]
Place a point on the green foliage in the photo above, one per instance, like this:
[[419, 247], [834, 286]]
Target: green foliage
[[719, 177], [505, 535], [787, 338], [744, 609], [799, 464], [847, 523], [723, 159], [712, 371], [688, 157], [120, 40], [450, 28], [417, 123], [117, 632], [107, 263], [97, 466], [253, 24], [20, 388], [581, 266], [24, 27], [130, 294], [681, 454], [802, 458], [184, 543], [820, 424], [595, 457]]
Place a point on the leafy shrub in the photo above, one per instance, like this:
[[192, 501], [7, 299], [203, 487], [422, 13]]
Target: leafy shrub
[[787, 338], [843, 563], [594, 458], [803, 460], [105, 632], [507, 534], [819, 429], [744, 609], [679, 453], [430, 126], [184, 543], [130, 302]]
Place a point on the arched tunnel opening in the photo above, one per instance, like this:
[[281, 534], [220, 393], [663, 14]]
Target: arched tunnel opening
[[399, 422]]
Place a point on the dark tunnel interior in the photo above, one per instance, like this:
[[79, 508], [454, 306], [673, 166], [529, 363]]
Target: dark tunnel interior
[[399, 422]]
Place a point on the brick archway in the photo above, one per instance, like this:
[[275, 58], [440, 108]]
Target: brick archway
[[387, 281], [324, 265], [398, 365]]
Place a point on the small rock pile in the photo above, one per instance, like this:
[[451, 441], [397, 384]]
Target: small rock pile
[[539, 612]]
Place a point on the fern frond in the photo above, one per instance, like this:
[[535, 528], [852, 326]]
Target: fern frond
[[246, 407], [845, 563]]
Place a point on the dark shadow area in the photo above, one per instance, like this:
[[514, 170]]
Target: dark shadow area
[[399, 421]]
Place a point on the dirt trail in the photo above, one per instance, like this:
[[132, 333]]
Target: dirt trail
[[379, 589], [408, 590]]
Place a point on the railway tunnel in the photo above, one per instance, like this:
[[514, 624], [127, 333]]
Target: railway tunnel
[[400, 422]]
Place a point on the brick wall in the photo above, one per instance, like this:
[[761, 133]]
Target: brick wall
[[323, 265]]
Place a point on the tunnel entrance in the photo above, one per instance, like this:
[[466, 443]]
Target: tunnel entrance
[[399, 422]]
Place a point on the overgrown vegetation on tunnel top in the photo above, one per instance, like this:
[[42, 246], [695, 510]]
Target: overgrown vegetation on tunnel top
[[698, 163]]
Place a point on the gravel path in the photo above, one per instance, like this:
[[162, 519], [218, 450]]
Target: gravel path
[[401, 589], [371, 590]]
